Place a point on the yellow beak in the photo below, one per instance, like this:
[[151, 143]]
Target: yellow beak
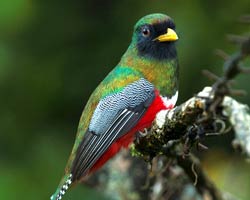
[[168, 37]]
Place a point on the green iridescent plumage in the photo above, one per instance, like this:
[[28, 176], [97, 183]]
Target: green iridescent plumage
[[162, 73]]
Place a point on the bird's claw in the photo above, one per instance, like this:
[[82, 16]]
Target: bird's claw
[[143, 133]]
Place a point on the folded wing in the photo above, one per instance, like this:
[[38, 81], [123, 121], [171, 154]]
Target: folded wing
[[114, 116]]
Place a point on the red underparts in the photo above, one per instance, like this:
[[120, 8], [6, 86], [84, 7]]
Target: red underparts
[[145, 122]]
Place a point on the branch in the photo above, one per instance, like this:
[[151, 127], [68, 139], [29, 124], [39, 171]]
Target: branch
[[204, 115], [238, 115]]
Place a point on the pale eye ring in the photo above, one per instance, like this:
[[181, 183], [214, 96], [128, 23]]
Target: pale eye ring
[[145, 32]]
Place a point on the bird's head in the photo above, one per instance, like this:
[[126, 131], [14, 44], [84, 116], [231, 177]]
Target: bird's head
[[154, 37]]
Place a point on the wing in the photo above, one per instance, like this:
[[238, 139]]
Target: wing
[[114, 116]]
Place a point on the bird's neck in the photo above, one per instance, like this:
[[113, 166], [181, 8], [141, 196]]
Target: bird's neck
[[162, 73]]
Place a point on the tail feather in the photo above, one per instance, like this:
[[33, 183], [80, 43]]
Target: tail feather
[[62, 188]]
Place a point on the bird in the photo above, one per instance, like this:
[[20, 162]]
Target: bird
[[143, 83]]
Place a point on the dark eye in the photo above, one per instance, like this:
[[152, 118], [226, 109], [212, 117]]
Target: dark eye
[[145, 32]]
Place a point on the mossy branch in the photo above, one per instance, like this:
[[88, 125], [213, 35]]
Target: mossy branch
[[204, 115]]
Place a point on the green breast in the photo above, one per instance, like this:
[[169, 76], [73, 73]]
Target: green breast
[[162, 73]]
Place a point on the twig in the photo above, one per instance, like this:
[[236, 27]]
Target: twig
[[203, 183]]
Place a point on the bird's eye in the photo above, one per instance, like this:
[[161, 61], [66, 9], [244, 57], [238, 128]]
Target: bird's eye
[[145, 32]]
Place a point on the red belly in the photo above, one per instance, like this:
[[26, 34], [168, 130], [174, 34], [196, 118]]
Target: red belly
[[145, 122]]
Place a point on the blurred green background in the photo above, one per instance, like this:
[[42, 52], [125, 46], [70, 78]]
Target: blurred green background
[[54, 53]]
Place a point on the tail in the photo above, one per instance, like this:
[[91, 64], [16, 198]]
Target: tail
[[62, 188]]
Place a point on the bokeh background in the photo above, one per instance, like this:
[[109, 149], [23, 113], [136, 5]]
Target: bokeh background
[[54, 53]]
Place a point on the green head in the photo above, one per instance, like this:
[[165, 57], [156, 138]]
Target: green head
[[154, 37]]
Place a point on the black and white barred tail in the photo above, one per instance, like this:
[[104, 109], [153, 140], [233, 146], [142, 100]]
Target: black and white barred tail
[[62, 190]]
